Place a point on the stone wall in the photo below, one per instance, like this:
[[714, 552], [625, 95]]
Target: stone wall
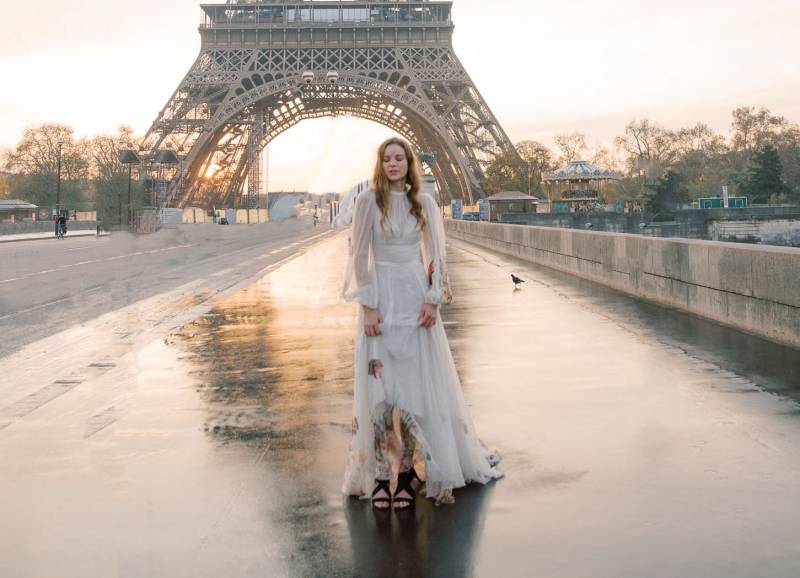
[[778, 225], [754, 288]]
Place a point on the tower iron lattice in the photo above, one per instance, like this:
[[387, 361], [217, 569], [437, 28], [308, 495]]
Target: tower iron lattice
[[265, 66]]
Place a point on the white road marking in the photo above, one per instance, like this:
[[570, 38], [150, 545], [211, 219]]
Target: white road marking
[[34, 308], [117, 258], [48, 304], [269, 268]]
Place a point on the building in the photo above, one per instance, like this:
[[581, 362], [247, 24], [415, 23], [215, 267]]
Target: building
[[578, 186], [510, 202], [16, 211]]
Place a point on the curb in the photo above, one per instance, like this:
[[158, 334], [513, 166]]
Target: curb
[[51, 236]]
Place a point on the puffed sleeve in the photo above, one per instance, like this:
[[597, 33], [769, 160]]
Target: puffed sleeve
[[434, 253], [360, 284]]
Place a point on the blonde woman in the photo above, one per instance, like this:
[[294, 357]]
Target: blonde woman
[[408, 401]]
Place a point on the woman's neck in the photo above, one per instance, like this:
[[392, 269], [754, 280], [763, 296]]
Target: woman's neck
[[397, 187]]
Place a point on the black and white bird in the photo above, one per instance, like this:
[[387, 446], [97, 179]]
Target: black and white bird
[[516, 281]]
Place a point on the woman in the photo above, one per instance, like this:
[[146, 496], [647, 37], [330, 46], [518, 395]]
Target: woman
[[405, 378]]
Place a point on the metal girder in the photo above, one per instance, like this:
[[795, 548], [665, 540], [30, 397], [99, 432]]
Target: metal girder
[[421, 91]]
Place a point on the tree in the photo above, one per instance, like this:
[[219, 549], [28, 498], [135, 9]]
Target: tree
[[604, 158], [766, 175], [700, 160], [35, 164], [753, 129], [788, 147], [650, 149], [105, 153], [37, 153], [666, 194], [508, 172], [111, 176], [572, 146], [4, 193], [538, 160]]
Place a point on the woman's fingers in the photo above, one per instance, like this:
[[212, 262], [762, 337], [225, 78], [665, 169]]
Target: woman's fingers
[[426, 319]]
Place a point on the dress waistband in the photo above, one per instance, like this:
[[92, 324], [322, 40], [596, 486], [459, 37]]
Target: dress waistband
[[397, 253]]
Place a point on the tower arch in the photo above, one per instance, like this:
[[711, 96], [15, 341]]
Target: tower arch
[[264, 67]]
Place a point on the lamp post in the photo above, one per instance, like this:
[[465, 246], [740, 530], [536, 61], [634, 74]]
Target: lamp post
[[528, 162], [130, 158], [58, 179]]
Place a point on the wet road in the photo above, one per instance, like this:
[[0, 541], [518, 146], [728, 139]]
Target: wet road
[[211, 442], [50, 285]]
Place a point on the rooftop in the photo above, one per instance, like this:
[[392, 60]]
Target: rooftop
[[511, 196], [580, 170], [15, 204]]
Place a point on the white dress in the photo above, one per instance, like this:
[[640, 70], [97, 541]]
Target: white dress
[[388, 270]]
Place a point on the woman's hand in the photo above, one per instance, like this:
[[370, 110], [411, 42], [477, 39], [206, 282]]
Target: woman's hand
[[427, 317], [372, 322]]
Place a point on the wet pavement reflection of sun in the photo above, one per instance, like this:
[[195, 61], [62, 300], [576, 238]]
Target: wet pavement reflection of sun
[[274, 364]]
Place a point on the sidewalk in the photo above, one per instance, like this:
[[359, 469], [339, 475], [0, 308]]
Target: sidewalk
[[50, 235], [218, 449]]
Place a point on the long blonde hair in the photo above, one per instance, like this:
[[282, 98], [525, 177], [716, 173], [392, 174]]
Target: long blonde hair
[[413, 181]]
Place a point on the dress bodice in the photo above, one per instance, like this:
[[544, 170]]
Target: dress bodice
[[398, 248], [398, 240]]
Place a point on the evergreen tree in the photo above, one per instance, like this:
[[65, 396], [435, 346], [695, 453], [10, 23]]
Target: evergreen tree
[[766, 175], [666, 194]]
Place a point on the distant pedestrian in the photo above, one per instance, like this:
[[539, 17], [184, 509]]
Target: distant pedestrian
[[404, 369]]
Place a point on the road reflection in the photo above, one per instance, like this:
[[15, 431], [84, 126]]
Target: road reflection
[[275, 363]]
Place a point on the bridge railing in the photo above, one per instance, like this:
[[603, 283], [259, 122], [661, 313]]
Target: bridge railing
[[750, 287]]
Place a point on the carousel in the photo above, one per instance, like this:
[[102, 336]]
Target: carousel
[[578, 186]]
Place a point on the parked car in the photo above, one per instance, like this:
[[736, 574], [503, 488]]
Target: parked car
[[471, 217], [224, 221]]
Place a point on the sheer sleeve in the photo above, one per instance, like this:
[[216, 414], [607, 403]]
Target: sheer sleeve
[[434, 254], [360, 283]]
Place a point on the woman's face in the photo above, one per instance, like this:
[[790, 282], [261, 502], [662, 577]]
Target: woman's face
[[395, 163]]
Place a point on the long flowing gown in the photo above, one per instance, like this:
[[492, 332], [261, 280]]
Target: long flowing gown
[[407, 367]]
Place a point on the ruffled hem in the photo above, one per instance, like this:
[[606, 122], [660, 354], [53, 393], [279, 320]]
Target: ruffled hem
[[439, 490]]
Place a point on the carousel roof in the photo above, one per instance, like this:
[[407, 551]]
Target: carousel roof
[[580, 171]]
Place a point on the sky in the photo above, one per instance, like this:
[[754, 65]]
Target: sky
[[544, 68]]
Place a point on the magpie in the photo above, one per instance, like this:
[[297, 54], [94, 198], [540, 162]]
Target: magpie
[[516, 281]]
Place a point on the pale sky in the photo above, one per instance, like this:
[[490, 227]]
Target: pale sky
[[544, 67]]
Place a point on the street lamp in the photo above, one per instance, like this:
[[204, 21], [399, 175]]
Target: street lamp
[[130, 158], [528, 162], [58, 181]]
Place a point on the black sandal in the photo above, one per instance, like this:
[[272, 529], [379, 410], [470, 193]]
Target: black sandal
[[404, 480], [381, 485]]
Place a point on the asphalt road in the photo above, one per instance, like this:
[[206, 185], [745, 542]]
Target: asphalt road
[[203, 431], [48, 286]]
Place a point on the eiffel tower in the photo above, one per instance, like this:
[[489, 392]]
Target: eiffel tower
[[265, 66]]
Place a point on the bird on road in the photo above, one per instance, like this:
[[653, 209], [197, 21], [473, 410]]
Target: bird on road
[[516, 281]]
